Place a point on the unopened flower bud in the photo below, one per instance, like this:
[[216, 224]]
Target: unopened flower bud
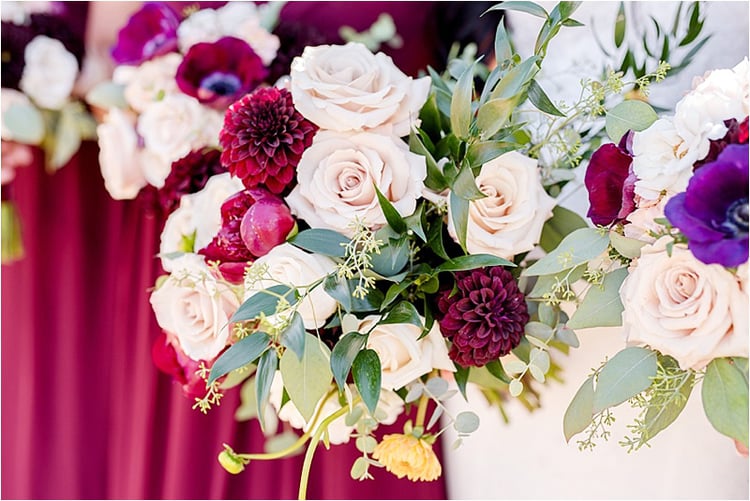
[[265, 225], [231, 462]]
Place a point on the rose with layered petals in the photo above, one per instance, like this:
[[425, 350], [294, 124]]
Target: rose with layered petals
[[150, 32], [692, 311], [338, 173], [713, 212], [119, 157], [49, 74], [149, 82], [193, 306], [610, 182], [348, 88], [509, 219]]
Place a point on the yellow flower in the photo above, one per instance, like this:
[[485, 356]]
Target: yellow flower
[[408, 456]]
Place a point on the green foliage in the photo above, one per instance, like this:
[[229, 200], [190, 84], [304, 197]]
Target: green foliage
[[367, 376], [602, 305], [624, 376], [632, 115], [580, 410], [240, 354], [263, 379], [403, 313], [321, 241], [265, 302], [577, 248], [293, 336], [343, 355], [563, 222], [725, 397], [307, 379], [25, 123]]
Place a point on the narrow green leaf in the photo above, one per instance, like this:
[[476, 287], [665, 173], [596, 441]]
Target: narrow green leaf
[[481, 152], [577, 248], [66, 140], [461, 104], [563, 222], [473, 261], [493, 115], [293, 337], [264, 302], [343, 355], [462, 377], [629, 115], [625, 375], [459, 211], [725, 399], [239, 354], [620, 23], [465, 185], [602, 306], [403, 313], [394, 291], [572, 23], [263, 379], [503, 49], [107, 95], [435, 238], [308, 379], [580, 411], [394, 218], [527, 7], [516, 80], [367, 377], [496, 369], [539, 98], [321, 241]]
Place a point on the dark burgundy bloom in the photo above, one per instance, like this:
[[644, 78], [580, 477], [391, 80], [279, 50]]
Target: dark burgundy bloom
[[219, 73], [189, 175], [265, 225], [736, 134], [485, 318], [713, 212], [150, 32], [227, 245], [263, 139], [610, 182]]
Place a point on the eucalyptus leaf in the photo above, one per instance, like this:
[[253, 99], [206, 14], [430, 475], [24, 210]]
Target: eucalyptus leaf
[[248, 407], [65, 140], [602, 306], [264, 302], [239, 354], [367, 377], [282, 441], [632, 115], [481, 152], [563, 222], [435, 416], [392, 258], [466, 422], [416, 391], [308, 379], [577, 248], [321, 241], [545, 283], [627, 247], [623, 376], [465, 185], [725, 399], [471, 262], [659, 417], [516, 80], [25, 123], [515, 387], [437, 386], [293, 337], [263, 380], [343, 355], [580, 411]]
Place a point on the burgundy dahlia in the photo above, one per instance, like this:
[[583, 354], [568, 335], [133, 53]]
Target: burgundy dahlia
[[189, 175], [485, 318], [263, 139]]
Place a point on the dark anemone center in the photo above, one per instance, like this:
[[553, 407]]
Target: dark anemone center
[[222, 84], [736, 221]]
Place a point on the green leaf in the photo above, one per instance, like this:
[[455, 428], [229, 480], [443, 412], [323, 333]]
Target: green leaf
[[602, 306], [339, 290], [629, 115], [435, 238], [496, 369], [394, 218], [367, 377], [577, 248], [473, 261], [459, 211], [516, 80], [308, 379], [580, 411], [107, 95], [66, 140], [461, 104], [394, 291], [462, 377], [248, 407], [25, 123], [416, 223], [343, 354], [625, 375], [493, 115], [392, 258], [466, 422], [321, 241], [264, 302], [481, 152], [628, 247], [263, 379], [465, 185], [659, 417], [620, 24], [563, 222], [503, 48], [527, 7], [725, 398], [239, 354], [403, 313], [293, 337], [286, 439], [539, 98]]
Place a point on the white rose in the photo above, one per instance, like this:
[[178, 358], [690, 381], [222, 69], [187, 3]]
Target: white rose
[[195, 307], [20, 12], [201, 26], [155, 168], [403, 356], [119, 156], [337, 172], [692, 311], [49, 72], [207, 203], [178, 227], [510, 218], [347, 87], [150, 82], [662, 160], [288, 264], [177, 124]]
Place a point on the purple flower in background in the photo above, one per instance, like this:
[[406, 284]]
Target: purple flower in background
[[610, 182], [150, 32], [220, 72], [713, 212]]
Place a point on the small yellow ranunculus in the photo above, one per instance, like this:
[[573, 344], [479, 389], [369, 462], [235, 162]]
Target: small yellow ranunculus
[[408, 456]]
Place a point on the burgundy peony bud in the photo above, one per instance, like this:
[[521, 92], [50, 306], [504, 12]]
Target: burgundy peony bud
[[265, 225]]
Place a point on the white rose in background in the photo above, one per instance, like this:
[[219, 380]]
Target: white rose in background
[[149, 82], [195, 308], [19, 12], [337, 172], [347, 87], [207, 203], [49, 72], [684, 308], [403, 356], [155, 168], [119, 157], [179, 229], [288, 264], [510, 218]]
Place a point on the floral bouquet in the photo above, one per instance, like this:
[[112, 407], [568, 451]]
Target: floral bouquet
[[42, 59], [667, 262], [362, 256]]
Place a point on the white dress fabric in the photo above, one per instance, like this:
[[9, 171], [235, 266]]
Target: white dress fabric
[[529, 458]]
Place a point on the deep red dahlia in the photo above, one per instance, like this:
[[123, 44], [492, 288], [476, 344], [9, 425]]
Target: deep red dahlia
[[189, 175], [263, 139], [485, 318]]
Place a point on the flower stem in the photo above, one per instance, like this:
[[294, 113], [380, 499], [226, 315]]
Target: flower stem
[[422, 410]]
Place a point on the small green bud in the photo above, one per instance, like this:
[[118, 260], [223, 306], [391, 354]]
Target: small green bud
[[231, 462]]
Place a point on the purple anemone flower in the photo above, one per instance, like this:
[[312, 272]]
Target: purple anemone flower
[[150, 32], [713, 212], [610, 182], [220, 72]]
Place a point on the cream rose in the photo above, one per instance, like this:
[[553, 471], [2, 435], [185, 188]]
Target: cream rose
[[49, 72], [509, 219], [337, 174], [195, 307], [642, 221], [684, 308], [149, 82], [179, 228], [347, 87], [403, 356], [288, 264], [119, 156]]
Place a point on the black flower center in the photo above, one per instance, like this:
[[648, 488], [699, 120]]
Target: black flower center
[[221, 84], [736, 221]]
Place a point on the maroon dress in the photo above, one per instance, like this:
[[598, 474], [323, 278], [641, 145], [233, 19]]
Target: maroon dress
[[85, 414]]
